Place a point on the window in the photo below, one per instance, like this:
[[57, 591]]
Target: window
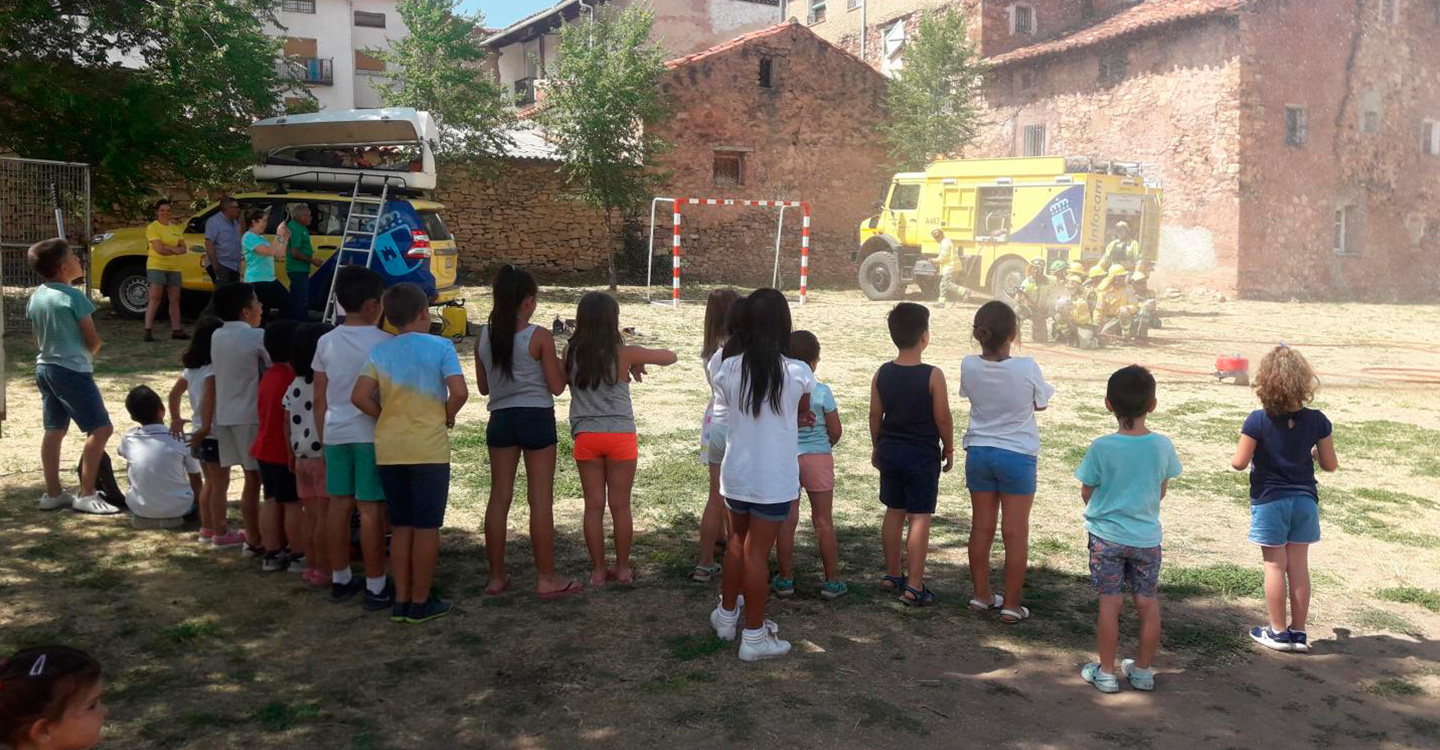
[[1370, 107], [1022, 19], [1430, 137], [905, 198], [767, 69], [894, 48], [817, 11], [1390, 11], [729, 169], [1113, 66], [1297, 126], [367, 64], [298, 6], [372, 20], [1347, 231], [1034, 141], [852, 4]]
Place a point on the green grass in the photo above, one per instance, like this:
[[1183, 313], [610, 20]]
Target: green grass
[[687, 647], [1224, 580], [190, 631], [282, 717], [1394, 687], [1411, 595], [1371, 618]]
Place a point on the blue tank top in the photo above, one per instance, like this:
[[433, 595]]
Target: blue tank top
[[909, 418]]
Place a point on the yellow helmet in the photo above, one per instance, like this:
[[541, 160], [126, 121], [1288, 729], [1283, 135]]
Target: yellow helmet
[[1117, 271], [1097, 272], [1077, 268]]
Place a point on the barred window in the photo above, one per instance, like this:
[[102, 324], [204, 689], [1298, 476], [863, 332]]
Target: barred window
[[1034, 140], [1113, 66], [298, 6], [371, 20], [729, 169], [1022, 19], [1297, 126]]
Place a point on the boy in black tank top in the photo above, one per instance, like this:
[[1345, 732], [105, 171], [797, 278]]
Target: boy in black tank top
[[912, 435]]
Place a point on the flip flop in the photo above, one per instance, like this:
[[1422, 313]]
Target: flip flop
[[572, 588], [1013, 616], [503, 588], [997, 601], [702, 574]]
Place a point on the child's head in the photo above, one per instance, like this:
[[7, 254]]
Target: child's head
[[237, 301], [995, 326], [909, 325], [302, 347], [54, 260], [357, 287], [406, 305], [144, 405], [50, 697], [514, 291], [717, 312], [255, 220], [805, 347], [1130, 395], [766, 338], [735, 326], [279, 339], [593, 356], [1285, 382], [197, 354]]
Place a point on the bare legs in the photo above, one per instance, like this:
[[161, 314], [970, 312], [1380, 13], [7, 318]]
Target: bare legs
[[540, 492], [712, 520], [250, 509], [1107, 630], [747, 566], [317, 512], [917, 546], [608, 481], [1014, 529], [1288, 563], [217, 482], [824, 526], [171, 295]]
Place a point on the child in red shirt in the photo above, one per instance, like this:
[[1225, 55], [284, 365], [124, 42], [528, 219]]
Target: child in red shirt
[[280, 517]]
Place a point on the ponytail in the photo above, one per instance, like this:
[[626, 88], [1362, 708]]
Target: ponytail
[[511, 287]]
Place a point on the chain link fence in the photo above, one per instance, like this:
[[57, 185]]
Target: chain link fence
[[31, 193]]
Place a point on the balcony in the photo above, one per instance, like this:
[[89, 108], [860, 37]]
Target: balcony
[[524, 92], [317, 71]]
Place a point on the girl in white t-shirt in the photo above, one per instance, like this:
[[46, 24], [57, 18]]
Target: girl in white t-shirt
[[1001, 446], [764, 394], [193, 380], [719, 319]]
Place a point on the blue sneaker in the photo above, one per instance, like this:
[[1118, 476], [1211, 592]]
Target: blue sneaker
[[783, 587], [1271, 639], [1299, 642]]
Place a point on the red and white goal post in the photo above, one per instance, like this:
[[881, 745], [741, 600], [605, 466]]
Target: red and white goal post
[[677, 219]]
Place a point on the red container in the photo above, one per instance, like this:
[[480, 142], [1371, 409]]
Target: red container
[[1232, 365]]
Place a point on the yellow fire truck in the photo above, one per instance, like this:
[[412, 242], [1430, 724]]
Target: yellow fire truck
[[1003, 213]]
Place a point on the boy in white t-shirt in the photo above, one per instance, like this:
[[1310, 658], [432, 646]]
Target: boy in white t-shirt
[[162, 472], [349, 439]]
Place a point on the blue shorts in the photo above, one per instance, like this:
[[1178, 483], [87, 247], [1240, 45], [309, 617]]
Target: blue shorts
[[909, 478], [774, 512], [1289, 520], [67, 394], [529, 428], [416, 494], [989, 469]]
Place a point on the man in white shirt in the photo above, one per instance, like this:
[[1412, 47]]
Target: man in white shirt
[[162, 472]]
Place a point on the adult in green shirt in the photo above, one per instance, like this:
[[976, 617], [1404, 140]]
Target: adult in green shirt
[[299, 259]]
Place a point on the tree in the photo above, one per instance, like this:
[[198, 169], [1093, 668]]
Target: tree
[[933, 101], [438, 69], [601, 103], [146, 92]]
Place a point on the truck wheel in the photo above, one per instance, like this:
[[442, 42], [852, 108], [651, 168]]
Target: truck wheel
[[130, 292], [1008, 274], [880, 277], [929, 287]]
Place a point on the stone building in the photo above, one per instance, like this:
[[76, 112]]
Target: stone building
[[1298, 140]]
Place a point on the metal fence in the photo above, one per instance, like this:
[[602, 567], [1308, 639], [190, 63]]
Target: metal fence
[[31, 193]]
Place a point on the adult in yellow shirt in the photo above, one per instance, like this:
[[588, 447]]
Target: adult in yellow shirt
[[166, 237], [949, 262]]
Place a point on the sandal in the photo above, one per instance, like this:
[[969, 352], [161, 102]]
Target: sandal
[[922, 598], [704, 574], [572, 588], [1014, 616], [996, 602], [505, 586], [893, 583]]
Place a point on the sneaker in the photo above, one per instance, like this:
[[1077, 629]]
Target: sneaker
[[344, 592], [783, 587], [94, 505], [1299, 641], [274, 562], [56, 502], [1271, 639], [205, 536], [251, 551], [1103, 681], [298, 564], [834, 589], [433, 609], [765, 646], [227, 540], [400, 612], [724, 625], [1140, 679], [380, 603]]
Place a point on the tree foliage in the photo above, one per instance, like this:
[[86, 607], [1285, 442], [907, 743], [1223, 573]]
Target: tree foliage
[[144, 91], [934, 100], [603, 98], [437, 68]]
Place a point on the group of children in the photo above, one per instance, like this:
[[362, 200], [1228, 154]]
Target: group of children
[[326, 420]]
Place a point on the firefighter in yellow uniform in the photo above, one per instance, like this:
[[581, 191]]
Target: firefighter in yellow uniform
[[1036, 294], [1114, 311], [950, 268], [1073, 314], [1122, 250]]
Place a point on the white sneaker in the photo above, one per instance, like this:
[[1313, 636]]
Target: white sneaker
[[724, 626], [94, 505], [767, 645], [56, 502]]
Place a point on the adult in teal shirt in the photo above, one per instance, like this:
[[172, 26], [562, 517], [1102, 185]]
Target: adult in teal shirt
[[299, 259], [259, 255]]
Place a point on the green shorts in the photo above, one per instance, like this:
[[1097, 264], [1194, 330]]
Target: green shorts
[[350, 471]]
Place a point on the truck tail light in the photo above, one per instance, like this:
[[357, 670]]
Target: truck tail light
[[419, 245]]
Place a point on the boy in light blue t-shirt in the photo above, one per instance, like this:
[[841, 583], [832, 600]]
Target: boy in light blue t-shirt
[[1124, 478], [817, 478]]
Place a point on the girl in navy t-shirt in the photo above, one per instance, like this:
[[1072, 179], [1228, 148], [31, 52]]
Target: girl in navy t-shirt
[[1280, 444]]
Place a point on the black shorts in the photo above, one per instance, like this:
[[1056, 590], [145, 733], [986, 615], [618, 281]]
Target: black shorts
[[909, 478], [209, 451], [527, 428], [416, 494], [279, 482]]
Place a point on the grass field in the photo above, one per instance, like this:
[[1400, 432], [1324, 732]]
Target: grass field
[[204, 651]]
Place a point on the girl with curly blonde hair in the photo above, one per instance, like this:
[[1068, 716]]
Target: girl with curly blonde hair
[[1281, 444]]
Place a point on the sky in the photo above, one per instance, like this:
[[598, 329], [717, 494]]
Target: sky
[[505, 12]]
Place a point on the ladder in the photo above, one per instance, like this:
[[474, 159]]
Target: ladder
[[363, 208]]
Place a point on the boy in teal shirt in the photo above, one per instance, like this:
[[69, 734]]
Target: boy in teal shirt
[[1124, 478], [65, 334]]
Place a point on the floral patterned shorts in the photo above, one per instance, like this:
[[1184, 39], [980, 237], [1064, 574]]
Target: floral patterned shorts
[[1115, 565]]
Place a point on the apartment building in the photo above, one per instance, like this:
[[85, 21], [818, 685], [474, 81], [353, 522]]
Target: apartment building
[[329, 39]]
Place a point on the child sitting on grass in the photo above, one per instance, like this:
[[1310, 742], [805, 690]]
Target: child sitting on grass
[[1124, 478], [162, 472], [1281, 444], [50, 699]]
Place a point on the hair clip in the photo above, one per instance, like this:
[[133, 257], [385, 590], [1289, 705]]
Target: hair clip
[[1284, 345], [38, 667]]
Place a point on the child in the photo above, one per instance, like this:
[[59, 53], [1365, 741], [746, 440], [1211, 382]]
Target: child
[[413, 387], [602, 421], [281, 519], [516, 367], [765, 394], [348, 435], [1124, 478], [1281, 444], [64, 372], [195, 379], [913, 441], [237, 355], [817, 477], [1001, 446], [307, 454], [718, 307], [160, 466], [260, 255], [50, 700]]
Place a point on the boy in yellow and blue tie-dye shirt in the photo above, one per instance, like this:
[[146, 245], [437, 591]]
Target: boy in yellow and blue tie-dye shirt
[[413, 387]]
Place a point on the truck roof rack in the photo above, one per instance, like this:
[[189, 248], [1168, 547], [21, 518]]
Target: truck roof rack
[[345, 183]]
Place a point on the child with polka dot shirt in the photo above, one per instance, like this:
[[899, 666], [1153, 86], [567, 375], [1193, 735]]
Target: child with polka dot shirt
[[307, 452]]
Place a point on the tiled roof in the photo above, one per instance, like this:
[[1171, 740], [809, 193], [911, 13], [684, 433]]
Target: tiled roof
[[1148, 15], [744, 39], [527, 141]]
